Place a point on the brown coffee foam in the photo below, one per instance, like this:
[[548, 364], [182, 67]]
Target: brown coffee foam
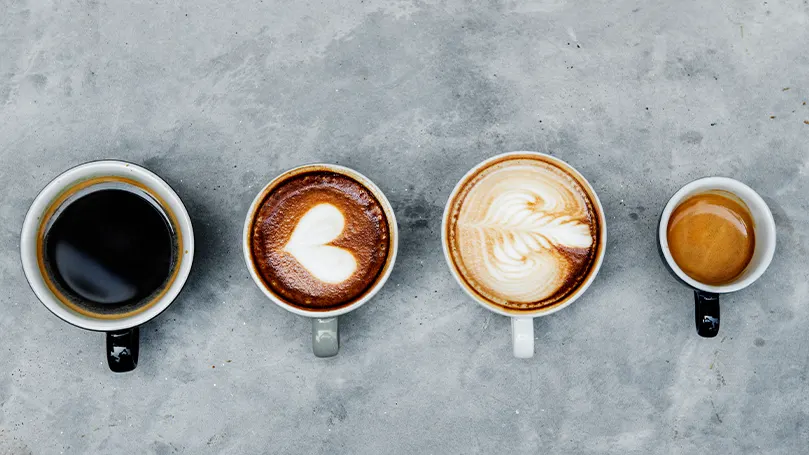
[[366, 235], [711, 237], [575, 264]]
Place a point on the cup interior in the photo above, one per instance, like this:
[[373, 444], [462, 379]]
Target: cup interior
[[599, 258], [72, 184], [764, 227], [253, 212]]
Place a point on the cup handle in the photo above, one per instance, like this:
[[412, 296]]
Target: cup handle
[[122, 349], [325, 337], [706, 313], [522, 337]]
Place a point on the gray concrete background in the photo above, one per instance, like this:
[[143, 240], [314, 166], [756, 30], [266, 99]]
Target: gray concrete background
[[219, 97]]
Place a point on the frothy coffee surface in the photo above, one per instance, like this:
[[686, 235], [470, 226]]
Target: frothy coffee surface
[[712, 237], [523, 233], [320, 240]]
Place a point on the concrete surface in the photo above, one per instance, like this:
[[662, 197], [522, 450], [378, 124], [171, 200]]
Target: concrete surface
[[219, 97]]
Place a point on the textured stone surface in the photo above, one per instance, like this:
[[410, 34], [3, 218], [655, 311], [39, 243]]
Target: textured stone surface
[[219, 97]]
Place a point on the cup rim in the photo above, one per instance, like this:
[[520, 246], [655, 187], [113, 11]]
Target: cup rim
[[739, 189], [64, 182], [392, 227], [599, 260]]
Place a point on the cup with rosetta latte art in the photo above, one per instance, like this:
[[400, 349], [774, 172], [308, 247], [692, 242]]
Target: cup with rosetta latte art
[[524, 234]]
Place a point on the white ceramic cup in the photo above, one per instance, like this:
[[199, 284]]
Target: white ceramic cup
[[325, 328], [522, 322], [121, 329], [706, 296]]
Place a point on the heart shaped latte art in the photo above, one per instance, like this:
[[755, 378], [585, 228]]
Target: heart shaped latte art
[[309, 245]]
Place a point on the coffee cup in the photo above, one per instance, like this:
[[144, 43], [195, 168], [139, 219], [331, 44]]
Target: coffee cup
[[320, 240], [107, 246], [723, 234], [524, 235]]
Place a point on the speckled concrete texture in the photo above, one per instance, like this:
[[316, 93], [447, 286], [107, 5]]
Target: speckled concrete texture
[[218, 97]]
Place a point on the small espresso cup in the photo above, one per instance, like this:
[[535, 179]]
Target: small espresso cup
[[525, 211], [312, 227], [81, 278], [706, 296]]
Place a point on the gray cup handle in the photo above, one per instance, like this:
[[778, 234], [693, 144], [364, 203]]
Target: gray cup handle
[[325, 337]]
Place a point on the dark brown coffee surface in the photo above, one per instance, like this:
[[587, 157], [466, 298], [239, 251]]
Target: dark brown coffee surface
[[365, 235], [110, 251]]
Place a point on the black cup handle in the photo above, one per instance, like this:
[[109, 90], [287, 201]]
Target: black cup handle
[[706, 313], [122, 349]]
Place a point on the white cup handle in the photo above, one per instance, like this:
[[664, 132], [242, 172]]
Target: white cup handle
[[522, 336]]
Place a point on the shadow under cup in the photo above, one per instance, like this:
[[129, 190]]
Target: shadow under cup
[[706, 297], [72, 255]]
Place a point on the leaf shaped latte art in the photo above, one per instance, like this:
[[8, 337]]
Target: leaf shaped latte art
[[521, 234]]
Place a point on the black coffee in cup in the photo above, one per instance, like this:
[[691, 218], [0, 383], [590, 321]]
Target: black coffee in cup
[[107, 246], [110, 251]]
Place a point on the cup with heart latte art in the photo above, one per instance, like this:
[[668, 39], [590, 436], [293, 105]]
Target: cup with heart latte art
[[524, 234], [320, 240]]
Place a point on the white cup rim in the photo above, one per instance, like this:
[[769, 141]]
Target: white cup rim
[[392, 226], [741, 190], [599, 260], [67, 180]]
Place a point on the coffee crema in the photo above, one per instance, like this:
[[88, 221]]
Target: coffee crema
[[320, 240], [711, 237], [523, 233]]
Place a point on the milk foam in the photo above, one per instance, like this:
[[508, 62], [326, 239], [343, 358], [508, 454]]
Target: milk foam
[[516, 227], [308, 244]]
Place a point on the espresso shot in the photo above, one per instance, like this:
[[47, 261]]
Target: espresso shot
[[712, 237], [716, 235]]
